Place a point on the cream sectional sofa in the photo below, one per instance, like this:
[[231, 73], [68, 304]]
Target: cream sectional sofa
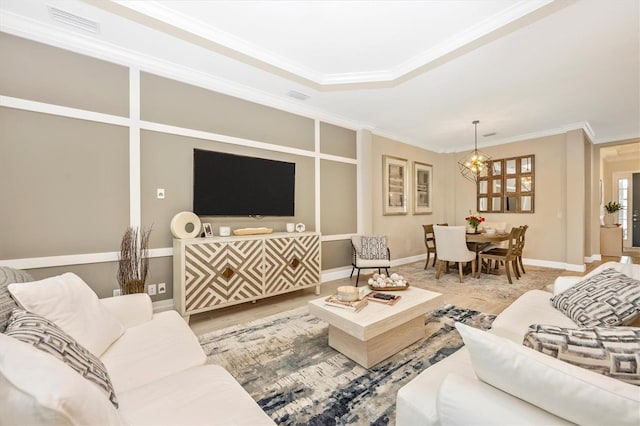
[[155, 364], [522, 380]]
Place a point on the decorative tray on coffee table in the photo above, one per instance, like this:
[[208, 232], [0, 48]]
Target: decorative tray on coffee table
[[380, 282], [395, 288]]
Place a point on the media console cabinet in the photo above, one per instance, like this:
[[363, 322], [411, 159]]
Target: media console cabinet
[[211, 273]]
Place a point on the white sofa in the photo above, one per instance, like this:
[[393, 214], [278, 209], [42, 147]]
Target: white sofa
[[156, 366], [450, 392]]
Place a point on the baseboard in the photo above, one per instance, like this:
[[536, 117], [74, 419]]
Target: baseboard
[[162, 305], [335, 274], [555, 265], [592, 258]]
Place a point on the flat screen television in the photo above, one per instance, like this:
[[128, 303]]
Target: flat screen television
[[234, 185]]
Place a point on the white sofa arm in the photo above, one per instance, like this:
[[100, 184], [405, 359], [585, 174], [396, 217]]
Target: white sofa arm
[[463, 401], [131, 309], [564, 283]]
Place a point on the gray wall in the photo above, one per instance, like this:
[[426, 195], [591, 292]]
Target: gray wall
[[68, 178]]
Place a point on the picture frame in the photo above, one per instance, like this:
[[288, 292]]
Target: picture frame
[[422, 188], [394, 185], [208, 230]]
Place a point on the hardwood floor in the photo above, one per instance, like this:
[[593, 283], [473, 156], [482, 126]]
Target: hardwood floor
[[238, 314]]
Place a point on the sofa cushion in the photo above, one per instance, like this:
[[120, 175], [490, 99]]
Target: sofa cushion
[[203, 395], [7, 303], [579, 395], [461, 398], [37, 388], [604, 350], [607, 299], [152, 350], [48, 337], [533, 307], [67, 301]]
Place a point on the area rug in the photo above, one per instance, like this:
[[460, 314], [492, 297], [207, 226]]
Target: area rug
[[286, 365]]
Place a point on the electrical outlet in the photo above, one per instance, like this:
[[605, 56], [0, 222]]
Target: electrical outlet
[[117, 292], [160, 193], [151, 289], [162, 288]]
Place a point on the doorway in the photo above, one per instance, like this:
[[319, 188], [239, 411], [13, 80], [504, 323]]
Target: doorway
[[626, 191]]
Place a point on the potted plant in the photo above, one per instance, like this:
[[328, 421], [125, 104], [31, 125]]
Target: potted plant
[[612, 207], [133, 262]]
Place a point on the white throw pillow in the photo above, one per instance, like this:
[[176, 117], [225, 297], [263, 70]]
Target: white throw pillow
[[37, 388], [67, 301], [570, 392]]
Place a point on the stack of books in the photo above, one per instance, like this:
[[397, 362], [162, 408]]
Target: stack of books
[[355, 306]]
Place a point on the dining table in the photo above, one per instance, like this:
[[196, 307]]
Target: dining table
[[481, 240]]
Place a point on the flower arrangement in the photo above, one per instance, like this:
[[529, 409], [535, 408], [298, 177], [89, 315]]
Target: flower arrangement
[[474, 220], [612, 206]]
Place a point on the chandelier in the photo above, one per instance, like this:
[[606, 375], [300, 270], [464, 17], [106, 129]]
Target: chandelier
[[477, 163]]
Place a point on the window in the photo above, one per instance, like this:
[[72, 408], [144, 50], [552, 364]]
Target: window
[[508, 187], [623, 199]]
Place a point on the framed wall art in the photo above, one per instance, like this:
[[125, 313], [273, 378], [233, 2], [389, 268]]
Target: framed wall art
[[394, 184], [422, 188]]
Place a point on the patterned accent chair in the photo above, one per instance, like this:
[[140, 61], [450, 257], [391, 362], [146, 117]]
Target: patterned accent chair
[[369, 252]]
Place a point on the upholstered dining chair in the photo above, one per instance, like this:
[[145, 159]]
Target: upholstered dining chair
[[369, 252], [507, 257], [430, 243], [452, 247]]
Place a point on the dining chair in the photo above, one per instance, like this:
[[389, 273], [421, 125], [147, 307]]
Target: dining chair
[[430, 243], [452, 247], [508, 256], [369, 252]]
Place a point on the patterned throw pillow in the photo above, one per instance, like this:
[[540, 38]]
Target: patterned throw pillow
[[7, 304], [611, 351], [607, 299], [373, 248], [48, 337]]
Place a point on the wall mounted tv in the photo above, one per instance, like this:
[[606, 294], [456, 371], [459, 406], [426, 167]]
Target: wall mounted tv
[[234, 185]]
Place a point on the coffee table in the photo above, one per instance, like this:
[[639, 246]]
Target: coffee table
[[378, 331]]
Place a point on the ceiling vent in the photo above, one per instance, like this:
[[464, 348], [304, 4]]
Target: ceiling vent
[[75, 21], [297, 95]]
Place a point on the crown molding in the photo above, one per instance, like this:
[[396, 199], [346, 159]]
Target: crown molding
[[162, 13], [41, 32]]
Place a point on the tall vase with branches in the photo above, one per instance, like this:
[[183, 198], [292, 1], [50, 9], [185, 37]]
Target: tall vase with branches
[[133, 262]]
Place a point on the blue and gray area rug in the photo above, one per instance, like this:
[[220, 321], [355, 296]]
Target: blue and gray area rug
[[286, 365]]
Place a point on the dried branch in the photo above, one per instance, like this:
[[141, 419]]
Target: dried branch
[[133, 263]]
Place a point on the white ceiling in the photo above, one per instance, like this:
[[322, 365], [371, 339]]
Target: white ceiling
[[416, 71]]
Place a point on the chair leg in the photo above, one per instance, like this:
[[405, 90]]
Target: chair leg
[[521, 265], [352, 269], [460, 271], [426, 264], [506, 265], [439, 269], [474, 269], [435, 257], [387, 271], [358, 277]]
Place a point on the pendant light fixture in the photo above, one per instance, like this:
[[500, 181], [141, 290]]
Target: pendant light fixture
[[477, 164]]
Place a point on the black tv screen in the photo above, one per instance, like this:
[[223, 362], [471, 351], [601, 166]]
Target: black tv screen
[[234, 185]]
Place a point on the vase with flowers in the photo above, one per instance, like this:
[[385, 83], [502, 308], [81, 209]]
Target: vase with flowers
[[612, 207], [473, 221]]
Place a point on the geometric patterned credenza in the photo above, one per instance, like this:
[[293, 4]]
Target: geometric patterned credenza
[[210, 273]]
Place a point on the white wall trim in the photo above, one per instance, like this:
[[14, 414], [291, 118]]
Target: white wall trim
[[555, 265], [135, 204], [592, 258], [317, 175], [75, 259], [336, 237], [45, 108], [335, 274]]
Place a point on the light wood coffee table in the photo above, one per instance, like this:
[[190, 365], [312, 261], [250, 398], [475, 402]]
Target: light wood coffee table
[[378, 331]]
